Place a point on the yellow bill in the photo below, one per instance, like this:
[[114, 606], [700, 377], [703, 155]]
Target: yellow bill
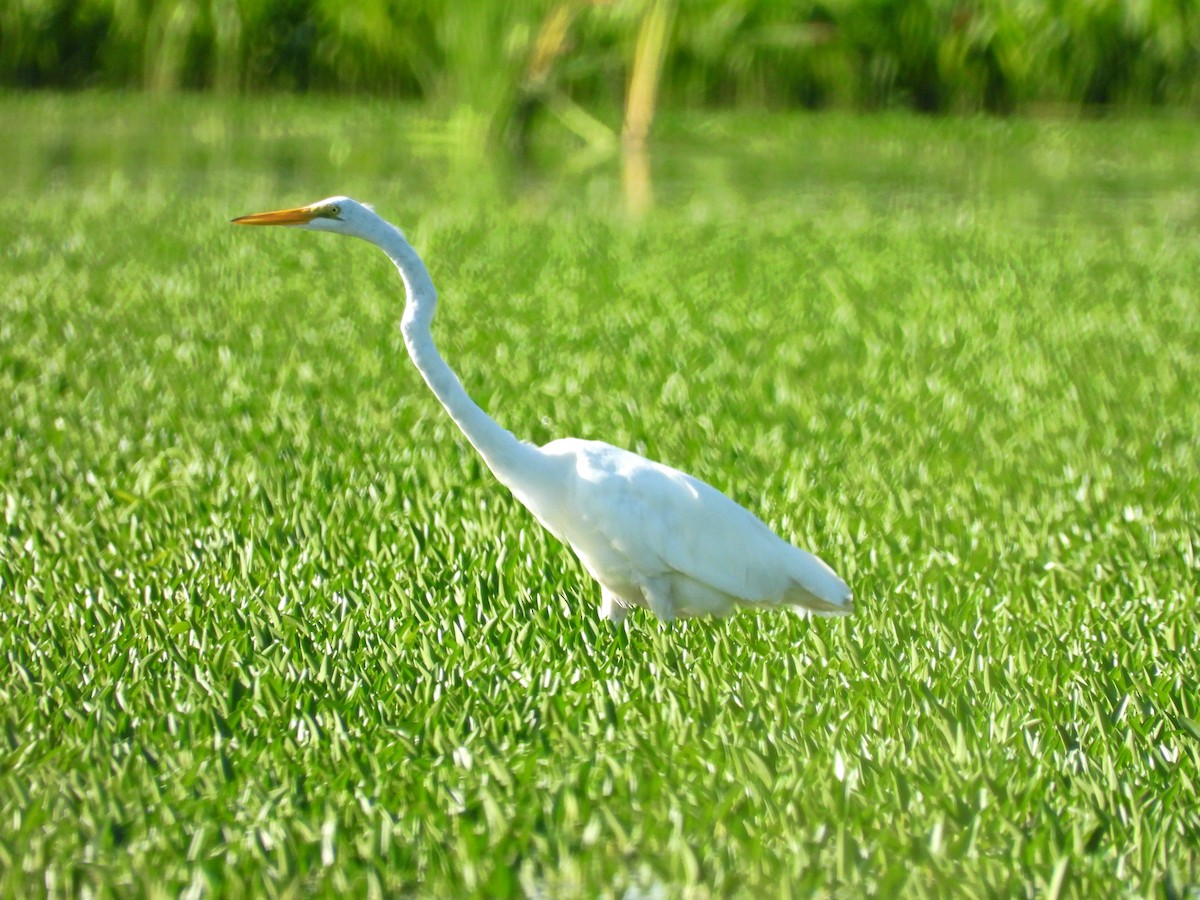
[[301, 215]]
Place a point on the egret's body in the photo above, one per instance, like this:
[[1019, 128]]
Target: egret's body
[[652, 536]]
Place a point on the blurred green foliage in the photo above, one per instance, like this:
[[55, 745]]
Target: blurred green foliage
[[935, 55]]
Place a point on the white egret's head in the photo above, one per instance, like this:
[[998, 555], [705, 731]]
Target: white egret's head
[[340, 215]]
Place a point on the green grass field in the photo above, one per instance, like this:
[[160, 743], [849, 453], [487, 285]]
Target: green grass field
[[269, 626]]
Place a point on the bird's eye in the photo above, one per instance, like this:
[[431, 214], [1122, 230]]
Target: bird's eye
[[335, 212]]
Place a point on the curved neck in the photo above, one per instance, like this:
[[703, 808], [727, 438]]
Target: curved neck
[[501, 451]]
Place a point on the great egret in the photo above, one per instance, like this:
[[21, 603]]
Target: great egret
[[651, 535]]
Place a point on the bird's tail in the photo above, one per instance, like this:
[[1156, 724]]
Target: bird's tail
[[816, 589]]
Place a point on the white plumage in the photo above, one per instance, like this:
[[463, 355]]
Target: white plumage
[[652, 536]]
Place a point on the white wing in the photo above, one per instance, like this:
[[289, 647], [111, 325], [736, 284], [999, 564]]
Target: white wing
[[631, 521]]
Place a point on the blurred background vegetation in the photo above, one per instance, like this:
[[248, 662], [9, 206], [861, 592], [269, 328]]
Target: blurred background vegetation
[[502, 58]]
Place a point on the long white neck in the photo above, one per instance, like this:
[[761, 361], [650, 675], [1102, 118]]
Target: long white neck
[[506, 456]]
